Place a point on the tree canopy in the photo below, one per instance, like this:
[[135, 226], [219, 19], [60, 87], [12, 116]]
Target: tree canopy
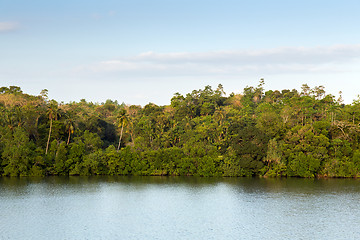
[[203, 133]]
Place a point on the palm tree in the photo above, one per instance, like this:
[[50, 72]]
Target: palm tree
[[122, 120], [69, 124], [53, 113]]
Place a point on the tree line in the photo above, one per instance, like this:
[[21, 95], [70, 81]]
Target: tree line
[[290, 133]]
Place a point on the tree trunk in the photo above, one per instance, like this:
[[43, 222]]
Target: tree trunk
[[68, 138], [47, 145], [121, 133]]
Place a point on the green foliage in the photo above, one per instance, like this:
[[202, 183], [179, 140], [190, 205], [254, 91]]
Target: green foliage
[[16, 152], [60, 159], [274, 160], [249, 145], [202, 133]]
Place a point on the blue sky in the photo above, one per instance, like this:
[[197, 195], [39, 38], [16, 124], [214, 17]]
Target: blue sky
[[141, 51]]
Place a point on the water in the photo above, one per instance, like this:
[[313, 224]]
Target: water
[[178, 208]]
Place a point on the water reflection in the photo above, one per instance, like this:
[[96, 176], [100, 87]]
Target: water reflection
[[21, 186], [121, 207]]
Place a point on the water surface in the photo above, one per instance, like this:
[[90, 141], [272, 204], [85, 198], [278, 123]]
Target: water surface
[[178, 208]]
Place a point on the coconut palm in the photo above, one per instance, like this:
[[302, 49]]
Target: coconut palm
[[122, 120], [69, 124], [53, 113]]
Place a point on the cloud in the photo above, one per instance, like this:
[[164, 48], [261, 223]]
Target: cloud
[[8, 26], [264, 61]]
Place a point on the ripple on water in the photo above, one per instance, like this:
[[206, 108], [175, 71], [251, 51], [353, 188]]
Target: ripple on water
[[179, 208]]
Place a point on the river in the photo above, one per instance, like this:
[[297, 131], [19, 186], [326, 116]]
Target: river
[[179, 208]]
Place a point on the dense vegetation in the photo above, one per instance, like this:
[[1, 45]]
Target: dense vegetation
[[205, 133]]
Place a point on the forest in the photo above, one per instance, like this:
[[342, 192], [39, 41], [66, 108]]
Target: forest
[[277, 133]]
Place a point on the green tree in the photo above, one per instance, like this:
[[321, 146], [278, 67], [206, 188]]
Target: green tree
[[53, 113], [122, 121], [17, 152], [70, 127]]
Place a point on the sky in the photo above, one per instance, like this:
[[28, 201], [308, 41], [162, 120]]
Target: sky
[[141, 51]]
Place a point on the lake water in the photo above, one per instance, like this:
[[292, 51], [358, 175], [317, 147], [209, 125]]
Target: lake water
[[178, 208]]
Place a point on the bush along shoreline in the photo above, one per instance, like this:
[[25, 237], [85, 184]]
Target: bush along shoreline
[[287, 133]]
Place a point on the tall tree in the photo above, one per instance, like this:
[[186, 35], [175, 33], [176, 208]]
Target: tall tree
[[53, 113], [122, 120], [69, 124]]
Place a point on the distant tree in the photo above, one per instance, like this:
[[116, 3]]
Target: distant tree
[[53, 113], [16, 152], [122, 121], [69, 124]]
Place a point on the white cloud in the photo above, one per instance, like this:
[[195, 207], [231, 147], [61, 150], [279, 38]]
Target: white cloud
[[277, 60], [8, 26]]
